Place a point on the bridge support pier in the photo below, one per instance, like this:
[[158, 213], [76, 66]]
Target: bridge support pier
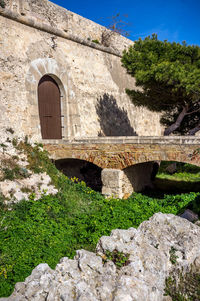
[[122, 183], [112, 180]]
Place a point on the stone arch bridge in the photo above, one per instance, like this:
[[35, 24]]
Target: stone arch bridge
[[127, 162]]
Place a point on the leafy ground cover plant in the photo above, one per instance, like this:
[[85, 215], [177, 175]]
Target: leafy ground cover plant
[[118, 258], [173, 256], [55, 226], [76, 217]]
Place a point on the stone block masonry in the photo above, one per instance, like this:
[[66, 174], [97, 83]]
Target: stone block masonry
[[38, 37], [112, 180]]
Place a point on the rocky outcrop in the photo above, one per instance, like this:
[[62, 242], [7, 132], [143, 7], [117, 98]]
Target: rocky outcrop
[[17, 181], [158, 247]]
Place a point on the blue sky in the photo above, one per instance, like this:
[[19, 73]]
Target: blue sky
[[172, 20]]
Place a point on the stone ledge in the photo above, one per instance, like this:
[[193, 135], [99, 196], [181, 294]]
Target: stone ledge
[[55, 31], [176, 140]]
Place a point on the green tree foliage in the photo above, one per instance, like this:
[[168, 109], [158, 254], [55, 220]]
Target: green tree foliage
[[2, 4], [168, 80]]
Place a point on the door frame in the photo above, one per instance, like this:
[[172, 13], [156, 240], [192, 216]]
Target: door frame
[[43, 122], [71, 121]]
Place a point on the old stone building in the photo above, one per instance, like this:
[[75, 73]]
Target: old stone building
[[62, 84], [47, 52]]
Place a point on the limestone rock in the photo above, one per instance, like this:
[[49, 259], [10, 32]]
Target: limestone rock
[[39, 184], [19, 188], [197, 223], [190, 215], [89, 278]]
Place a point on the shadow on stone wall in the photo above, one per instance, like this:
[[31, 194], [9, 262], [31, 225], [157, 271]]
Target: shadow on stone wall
[[113, 120], [138, 177]]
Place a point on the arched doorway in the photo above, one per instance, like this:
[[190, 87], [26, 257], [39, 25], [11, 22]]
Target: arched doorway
[[49, 108]]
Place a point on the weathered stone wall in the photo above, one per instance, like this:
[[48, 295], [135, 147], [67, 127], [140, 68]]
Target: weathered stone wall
[[38, 38], [122, 183]]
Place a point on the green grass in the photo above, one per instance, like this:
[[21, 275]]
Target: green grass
[[185, 179], [46, 230], [55, 226], [181, 176], [185, 172]]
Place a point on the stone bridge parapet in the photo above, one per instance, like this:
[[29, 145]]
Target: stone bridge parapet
[[139, 140], [122, 152]]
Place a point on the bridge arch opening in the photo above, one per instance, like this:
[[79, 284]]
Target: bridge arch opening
[[83, 170], [161, 176], [139, 177], [49, 106], [177, 177]]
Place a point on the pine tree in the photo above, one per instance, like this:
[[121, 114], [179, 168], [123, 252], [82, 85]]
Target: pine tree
[[168, 80]]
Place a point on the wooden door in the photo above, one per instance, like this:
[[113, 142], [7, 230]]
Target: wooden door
[[49, 108]]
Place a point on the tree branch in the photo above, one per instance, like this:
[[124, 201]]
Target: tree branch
[[192, 112], [195, 92], [194, 130], [177, 123]]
